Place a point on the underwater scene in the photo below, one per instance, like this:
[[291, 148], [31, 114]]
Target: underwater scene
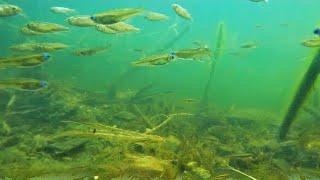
[[171, 89]]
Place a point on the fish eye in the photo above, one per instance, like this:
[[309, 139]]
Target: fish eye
[[43, 84], [45, 56], [173, 53], [316, 31], [93, 17], [171, 57]]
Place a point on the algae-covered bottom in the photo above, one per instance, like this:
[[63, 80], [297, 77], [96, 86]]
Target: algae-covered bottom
[[146, 136]]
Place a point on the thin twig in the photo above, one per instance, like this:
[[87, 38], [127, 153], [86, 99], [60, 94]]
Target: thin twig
[[170, 117], [145, 119], [240, 172]]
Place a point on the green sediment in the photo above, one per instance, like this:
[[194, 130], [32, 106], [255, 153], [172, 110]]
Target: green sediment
[[303, 90], [220, 41]]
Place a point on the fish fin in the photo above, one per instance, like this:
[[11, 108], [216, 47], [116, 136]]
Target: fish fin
[[119, 34], [198, 59], [24, 16], [173, 27], [5, 23], [176, 31]]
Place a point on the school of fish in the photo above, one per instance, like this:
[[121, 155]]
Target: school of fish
[[114, 21]]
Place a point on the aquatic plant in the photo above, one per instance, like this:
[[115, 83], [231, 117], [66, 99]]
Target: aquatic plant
[[220, 39], [302, 92]]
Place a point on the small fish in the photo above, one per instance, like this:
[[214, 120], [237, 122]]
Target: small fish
[[139, 50], [62, 10], [29, 32], [152, 16], [116, 15], [23, 84], [150, 96], [38, 47], [155, 60], [122, 27], [259, 26], [48, 47], [24, 61], [181, 12], [195, 54], [105, 29], [260, 1], [9, 10], [90, 51], [311, 43], [81, 21], [23, 47], [235, 53], [45, 27], [189, 100], [249, 45], [317, 31]]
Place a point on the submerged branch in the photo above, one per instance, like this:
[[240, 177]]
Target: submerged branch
[[240, 172], [144, 118], [169, 118], [107, 132]]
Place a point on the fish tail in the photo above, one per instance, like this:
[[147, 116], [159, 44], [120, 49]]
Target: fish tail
[[134, 63]]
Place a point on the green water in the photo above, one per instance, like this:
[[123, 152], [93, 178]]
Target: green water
[[248, 95]]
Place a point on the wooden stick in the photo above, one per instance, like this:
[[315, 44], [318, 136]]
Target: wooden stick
[[240, 172], [169, 118]]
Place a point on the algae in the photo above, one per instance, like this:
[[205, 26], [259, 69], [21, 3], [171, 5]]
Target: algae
[[157, 139]]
